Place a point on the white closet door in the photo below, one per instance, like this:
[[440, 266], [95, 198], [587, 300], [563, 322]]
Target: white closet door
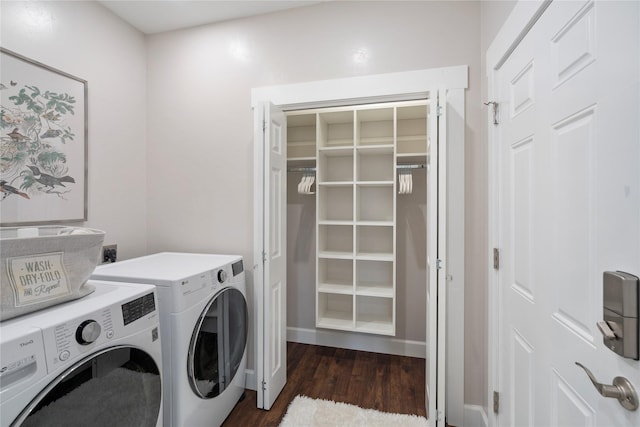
[[271, 360], [436, 248]]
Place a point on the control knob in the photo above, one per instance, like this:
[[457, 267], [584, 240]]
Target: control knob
[[222, 276], [88, 332]]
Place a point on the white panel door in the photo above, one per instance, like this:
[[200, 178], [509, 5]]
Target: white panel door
[[569, 183], [436, 248], [272, 353]]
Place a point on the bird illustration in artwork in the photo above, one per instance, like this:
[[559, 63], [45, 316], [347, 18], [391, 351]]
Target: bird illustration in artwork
[[49, 180], [51, 133], [8, 190], [16, 136]]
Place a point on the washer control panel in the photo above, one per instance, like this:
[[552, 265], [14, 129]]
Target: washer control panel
[[188, 291], [79, 336], [73, 337]]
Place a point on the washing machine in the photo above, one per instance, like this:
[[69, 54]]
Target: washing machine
[[93, 361], [204, 322]]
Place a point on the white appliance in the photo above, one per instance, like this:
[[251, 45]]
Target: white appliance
[[92, 361], [204, 322]]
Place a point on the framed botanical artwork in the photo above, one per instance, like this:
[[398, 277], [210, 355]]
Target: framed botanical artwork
[[43, 143]]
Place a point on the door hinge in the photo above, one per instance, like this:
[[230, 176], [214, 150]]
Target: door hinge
[[264, 256], [494, 105], [496, 402], [438, 264], [439, 110], [264, 385], [264, 125], [496, 258]]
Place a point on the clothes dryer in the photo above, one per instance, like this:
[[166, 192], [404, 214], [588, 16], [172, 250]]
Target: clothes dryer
[[92, 361], [204, 322]]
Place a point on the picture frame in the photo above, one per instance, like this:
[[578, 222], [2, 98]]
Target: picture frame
[[43, 143]]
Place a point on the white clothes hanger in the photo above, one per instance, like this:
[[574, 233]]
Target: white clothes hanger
[[405, 182], [304, 186], [310, 181]]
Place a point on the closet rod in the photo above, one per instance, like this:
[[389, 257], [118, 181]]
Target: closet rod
[[412, 166], [309, 169], [312, 169]]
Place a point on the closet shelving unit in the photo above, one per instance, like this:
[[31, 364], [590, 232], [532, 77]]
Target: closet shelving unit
[[335, 214], [355, 151], [375, 221]]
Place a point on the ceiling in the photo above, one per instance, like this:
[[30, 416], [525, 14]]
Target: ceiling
[[156, 16]]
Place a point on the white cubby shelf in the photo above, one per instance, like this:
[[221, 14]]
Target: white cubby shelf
[[355, 150]]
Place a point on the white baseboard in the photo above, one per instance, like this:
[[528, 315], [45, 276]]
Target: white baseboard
[[250, 380], [357, 341], [475, 416]]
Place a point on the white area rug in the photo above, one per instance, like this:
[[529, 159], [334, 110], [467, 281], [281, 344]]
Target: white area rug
[[306, 412]]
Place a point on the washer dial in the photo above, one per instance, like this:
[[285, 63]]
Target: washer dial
[[222, 276], [88, 332]]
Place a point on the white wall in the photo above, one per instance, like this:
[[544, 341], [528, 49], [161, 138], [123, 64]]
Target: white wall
[[83, 39], [195, 116], [199, 116]]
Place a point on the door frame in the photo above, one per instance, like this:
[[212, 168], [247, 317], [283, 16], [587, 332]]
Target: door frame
[[398, 86], [523, 17]]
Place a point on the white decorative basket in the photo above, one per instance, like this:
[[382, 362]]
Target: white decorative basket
[[45, 266]]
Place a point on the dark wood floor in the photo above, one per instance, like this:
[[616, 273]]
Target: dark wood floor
[[370, 380]]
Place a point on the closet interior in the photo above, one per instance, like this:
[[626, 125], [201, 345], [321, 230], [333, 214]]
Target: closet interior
[[356, 214]]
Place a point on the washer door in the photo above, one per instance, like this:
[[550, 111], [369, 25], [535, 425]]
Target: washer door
[[218, 343], [119, 386]]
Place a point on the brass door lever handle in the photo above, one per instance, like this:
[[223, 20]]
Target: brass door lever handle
[[621, 389]]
